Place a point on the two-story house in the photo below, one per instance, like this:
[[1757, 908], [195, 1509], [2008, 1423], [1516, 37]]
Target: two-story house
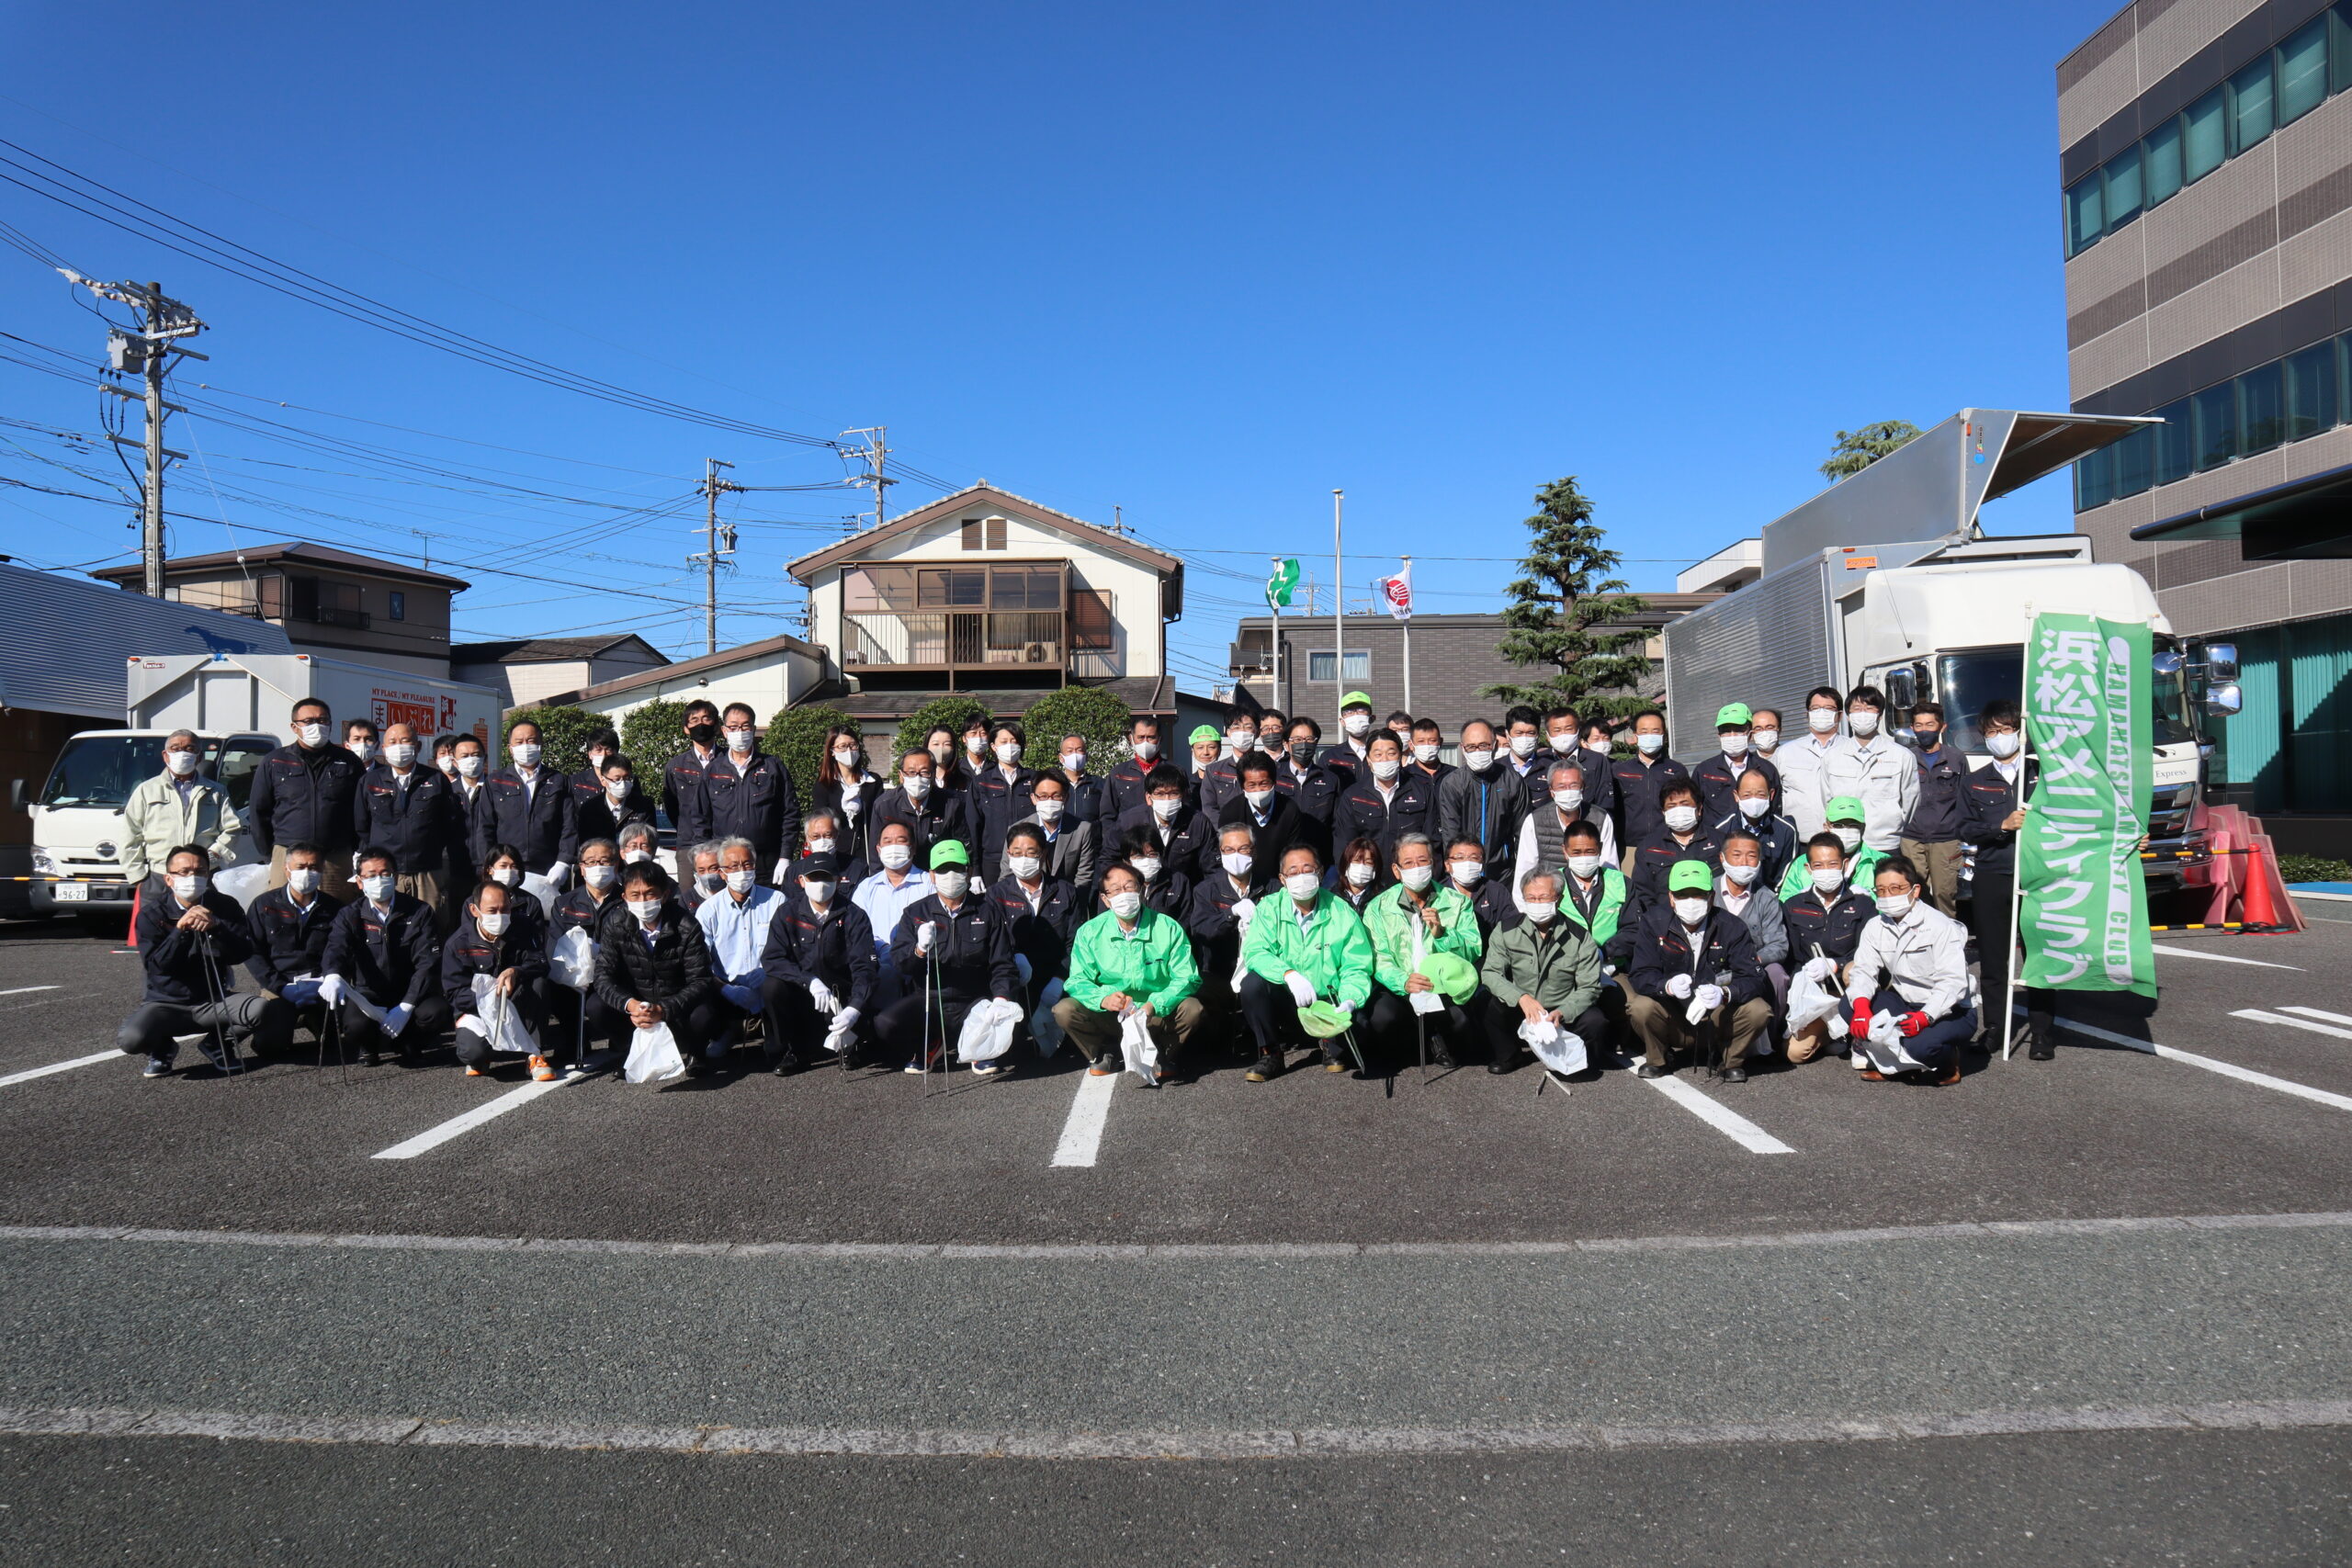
[[333, 602], [986, 593]]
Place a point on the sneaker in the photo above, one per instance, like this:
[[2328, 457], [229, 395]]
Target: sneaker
[[1649, 1070], [541, 1072], [1099, 1069], [914, 1066], [1872, 1075], [157, 1067], [369, 1059], [987, 1069], [1735, 1075], [1262, 1069], [473, 1070]]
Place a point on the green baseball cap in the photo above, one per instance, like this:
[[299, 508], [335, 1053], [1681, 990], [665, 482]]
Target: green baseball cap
[[949, 851], [1455, 978], [1845, 808], [1689, 876], [1733, 713], [1355, 700], [1208, 732], [1325, 1020]]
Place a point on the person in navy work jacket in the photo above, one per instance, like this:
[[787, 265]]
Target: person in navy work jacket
[[751, 796], [307, 794], [953, 950], [381, 949], [530, 808], [189, 938], [407, 807], [819, 965], [686, 784], [1126, 786]]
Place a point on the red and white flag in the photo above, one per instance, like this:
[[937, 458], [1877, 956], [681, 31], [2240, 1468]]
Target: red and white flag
[[1397, 592]]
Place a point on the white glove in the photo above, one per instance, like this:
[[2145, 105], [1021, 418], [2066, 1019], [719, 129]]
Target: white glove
[[926, 936], [1302, 990], [1678, 985], [822, 995], [330, 989], [1242, 909], [782, 875], [1711, 997], [396, 1019], [1694, 1013], [1821, 969], [560, 875], [1609, 970]]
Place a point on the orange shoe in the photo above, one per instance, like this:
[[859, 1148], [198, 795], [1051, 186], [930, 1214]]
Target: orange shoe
[[1872, 1075], [541, 1071], [474, 1072]]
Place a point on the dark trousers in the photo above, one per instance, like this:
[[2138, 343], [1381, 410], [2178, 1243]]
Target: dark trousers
[[606, 1024], [530, 1003], [148, 1031], [1501, 1019], [1272, 1017], [360, 1035], [901, 1025], [1934, 1044], [1392, 1024], [1988, 916], [797, 1026], [711, 1021]]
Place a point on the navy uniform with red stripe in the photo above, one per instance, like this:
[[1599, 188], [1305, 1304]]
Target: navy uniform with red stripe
[[752, 798], [537, 817], [804, 945]]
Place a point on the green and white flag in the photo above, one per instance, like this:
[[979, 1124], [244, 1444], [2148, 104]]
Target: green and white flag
[[1285, 578], [2084, 899]]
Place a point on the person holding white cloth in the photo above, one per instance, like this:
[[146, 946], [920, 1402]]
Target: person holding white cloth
[[1909, 979]]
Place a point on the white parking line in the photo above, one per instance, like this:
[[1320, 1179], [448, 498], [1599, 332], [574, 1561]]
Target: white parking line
[[2258, 1016], [513, 1099], [1082, 1132], [2222, 957], [29, 1073], [2315, 1012], [20, 990], [1730, 1123], [2227, 1069]]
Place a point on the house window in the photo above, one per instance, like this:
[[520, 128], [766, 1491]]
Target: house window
[[1092, 629], [400, 604], [984, 533], [1324, 665]]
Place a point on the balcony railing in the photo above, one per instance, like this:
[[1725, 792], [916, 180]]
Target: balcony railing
[[331, 615], [954, 639]]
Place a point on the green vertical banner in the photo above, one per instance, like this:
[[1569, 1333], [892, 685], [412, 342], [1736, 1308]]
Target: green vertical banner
[[2084, 900]]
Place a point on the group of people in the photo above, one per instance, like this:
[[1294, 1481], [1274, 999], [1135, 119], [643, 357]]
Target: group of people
[[1365, 901]]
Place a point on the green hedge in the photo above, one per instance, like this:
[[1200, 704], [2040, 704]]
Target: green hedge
[[954, 712], [563, 735], [651, 735], [1090, 711], [2311, 868], [797, 736]]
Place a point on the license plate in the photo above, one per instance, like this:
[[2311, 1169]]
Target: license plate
[[70, 893]]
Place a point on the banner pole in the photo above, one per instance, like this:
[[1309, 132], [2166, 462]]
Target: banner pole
[[2017, 858]]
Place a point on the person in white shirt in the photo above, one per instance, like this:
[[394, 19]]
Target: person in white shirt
[[734, 923], [1764, 737], [887, 894], [1911, 965], [1869, 764], [1801, 759]]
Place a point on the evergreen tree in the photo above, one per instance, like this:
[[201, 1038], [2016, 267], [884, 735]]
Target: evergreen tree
[[1858, 449], [1568, 614]]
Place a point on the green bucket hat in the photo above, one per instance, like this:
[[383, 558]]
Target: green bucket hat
[[1845, 808], [949, 851], [1689, 876], [1455, 978], [1325, 1020]]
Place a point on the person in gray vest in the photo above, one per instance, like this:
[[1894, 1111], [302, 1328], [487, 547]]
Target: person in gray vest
[[1565, 801]]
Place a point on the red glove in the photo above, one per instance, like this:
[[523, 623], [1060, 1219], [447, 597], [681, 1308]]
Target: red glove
[[1911, 1022], [1861, 1015]]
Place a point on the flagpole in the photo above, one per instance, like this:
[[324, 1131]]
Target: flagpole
[[2017, 865], [1408, 639], [1275, 691], [1338, 622]]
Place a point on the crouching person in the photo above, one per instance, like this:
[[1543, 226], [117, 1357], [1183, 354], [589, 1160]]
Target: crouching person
[[654, 966], [190, 940], [290, 926], [1911, 965], [735, 922], [1544, 969], [1417, 915], [489, 941], [951, 950], [818, 969], [1695, 980], [381, 952], [1128, 958], [579, 1016], [1306, 946]]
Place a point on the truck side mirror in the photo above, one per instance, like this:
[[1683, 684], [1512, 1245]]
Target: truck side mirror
[[16, 794], [2220, 662], [2223, 701], [1902, 689], [2166, 663]]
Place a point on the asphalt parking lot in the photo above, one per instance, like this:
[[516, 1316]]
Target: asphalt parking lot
[[832, 1318]]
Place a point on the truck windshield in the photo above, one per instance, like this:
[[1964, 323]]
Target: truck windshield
[[99, 769], [1966, 681]]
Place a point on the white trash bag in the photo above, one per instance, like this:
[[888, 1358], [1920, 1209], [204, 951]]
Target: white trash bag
[[1882, 1047], [1138, 1048], [1811, 1000], [654, 1056], [572, 960], [1561, 1050], [493, 1018], [539, 887], [243, 883], [988, 1031]]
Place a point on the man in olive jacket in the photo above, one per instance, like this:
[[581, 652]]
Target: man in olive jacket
[[1543, 968]]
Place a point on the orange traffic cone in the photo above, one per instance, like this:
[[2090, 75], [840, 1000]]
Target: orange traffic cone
[[2267, 904]]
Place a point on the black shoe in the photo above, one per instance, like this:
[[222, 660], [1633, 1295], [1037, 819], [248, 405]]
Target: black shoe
[[2043, 1048], [1499, 1064], [1265, 1067], [157, 1067], [369, 1060], [1735, 1075], [1650, 1070], [1443, 1056]]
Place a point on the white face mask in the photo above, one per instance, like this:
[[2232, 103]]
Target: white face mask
[[740, 741], [506, 877], [1356, 724], [1126, 906], [525, 752], [596, 760], [469, 767], [305, 881], [1522, 745], [401, 753], [491, 925], [2002, 743], [896, 856], [1734, 744], [1302, 886], [1026, 867], [741, 881], [1584, 866], [1418, 877], [1048, 811], [447, 763], [1542, 913], [1827, 879], [1862, 722], [1477, 761], [1821, 720], [1007, 752], [1567, 800], [377, 888], [846, 760], [1561, 742], [182, 763], [313, 734], [599, 875], [975, 745], [818, 847], [1385, 768], [1765, 739], [1753, 806], [1465, 873], [1690, 912], [819, 891], [1849, 837], [1258, 798], [618, 788], [917, 785], [1650, 743], [951, 884], [1895, 908], [1237, 862], [1145, 750], [647, 910], [363, 750], [188, 889], [636, 857], [1741, 875], [1358, 874], [1242, 743], [1425, 751], [1165, 807], [1147, 867], [1074, 761], [1682, 818]]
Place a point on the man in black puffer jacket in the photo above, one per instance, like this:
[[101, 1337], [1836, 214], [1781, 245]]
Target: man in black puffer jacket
[[653, 966]]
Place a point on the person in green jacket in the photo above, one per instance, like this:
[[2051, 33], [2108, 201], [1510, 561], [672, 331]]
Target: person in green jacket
[[1129, 957], [1541, 969], [1409, 919], [1845, 818], [1304, 946]]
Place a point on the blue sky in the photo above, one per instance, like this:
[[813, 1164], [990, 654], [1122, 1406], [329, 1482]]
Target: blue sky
[[1203, 264]]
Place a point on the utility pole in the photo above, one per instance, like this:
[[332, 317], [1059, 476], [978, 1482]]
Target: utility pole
[[162, 321], [1338, 622], [717, 540], [876, 453]]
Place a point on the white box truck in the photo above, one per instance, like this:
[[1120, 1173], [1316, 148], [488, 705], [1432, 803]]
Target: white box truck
[[1885, 579], [241, 705]]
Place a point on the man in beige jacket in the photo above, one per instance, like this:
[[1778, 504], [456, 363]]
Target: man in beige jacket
[[176, 807]]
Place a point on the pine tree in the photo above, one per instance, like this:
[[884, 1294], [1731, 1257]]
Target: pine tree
[[1569, 612], [1858, 449]]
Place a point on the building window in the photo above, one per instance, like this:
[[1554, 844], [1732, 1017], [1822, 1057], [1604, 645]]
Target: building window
[[2311, 391], [2303, 73], [400, 604], [984, 533], [2134, 461], [2216, 411], [2262, 421], [2176, 448], [2163, 162], [2204, 137], [1092, 627], [2252, 106], [1324, 665], [2293, 399], [2083, 214], [2122, 200]]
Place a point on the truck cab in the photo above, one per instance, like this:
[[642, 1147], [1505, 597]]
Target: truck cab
[[77, 815]]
